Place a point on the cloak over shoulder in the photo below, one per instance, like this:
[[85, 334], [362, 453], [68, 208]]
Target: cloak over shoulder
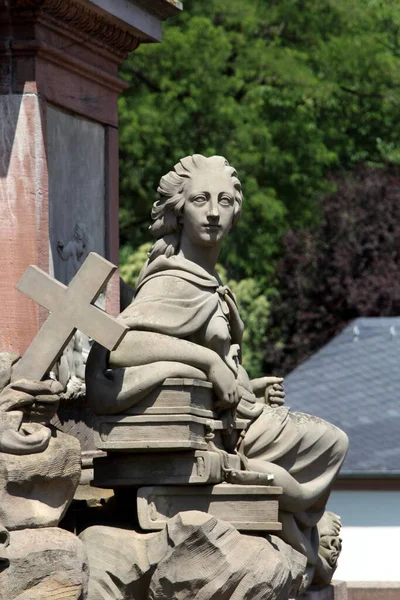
[[176, 297]]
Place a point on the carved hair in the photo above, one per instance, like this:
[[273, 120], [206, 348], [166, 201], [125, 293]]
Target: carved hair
[[167, 211]]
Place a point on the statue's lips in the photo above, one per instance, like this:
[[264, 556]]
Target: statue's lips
[[210, 227]]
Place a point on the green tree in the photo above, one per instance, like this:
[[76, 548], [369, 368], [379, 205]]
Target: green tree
[[346, 268], [287, 90]]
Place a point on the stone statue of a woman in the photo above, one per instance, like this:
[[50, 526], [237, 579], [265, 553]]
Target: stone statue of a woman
[[183, 322]]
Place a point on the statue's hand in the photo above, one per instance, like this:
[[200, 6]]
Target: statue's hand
[[269, 390], [37, 400], [225, 385], [28, 408]]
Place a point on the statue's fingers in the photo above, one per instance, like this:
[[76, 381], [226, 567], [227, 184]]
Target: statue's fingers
[[273, 380], [11, 399], [277, 394], [276, 401], [42, 411], [28, 386], [278, 386], [49, 399], [55, 387], [36, 388], [262, 383]]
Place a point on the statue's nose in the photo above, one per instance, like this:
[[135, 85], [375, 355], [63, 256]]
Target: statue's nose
[[213, 211]]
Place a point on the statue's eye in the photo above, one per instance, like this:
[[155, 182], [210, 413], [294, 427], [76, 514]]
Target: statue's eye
[[199, 199], [226, 200]]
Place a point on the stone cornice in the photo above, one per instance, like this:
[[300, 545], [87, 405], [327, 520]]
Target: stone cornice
[[163, 9], [81, 18]]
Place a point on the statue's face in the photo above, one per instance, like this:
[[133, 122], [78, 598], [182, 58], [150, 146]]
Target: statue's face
[[209, 207]]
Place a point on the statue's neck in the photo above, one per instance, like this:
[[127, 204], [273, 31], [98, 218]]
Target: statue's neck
[[204, 256]]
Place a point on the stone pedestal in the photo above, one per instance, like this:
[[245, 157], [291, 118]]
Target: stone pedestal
[[157, 432], [337, 590], [173, 436], [373, 590], [177, 415], [167, 468], [246, 507], [59, 89]]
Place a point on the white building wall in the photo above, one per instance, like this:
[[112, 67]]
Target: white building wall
[[371, 535]]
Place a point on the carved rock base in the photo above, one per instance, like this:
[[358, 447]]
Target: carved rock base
[[44, 563], [36, 489], [121, 561], [195, 556]]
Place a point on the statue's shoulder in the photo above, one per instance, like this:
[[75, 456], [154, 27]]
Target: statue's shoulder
[[162, 271]]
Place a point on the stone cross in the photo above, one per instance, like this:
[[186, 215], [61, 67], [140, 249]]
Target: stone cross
[[71, 308]]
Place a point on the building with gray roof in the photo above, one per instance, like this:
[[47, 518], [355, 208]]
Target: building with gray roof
[[354, 383]]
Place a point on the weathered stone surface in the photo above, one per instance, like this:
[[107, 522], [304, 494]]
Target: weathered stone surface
[[169, 432], [178, 396], [36, 489], [373, 590], [7, 359], [335, 591], [330, 546], [156, 468], [39, 466], [45, 563], [157, 432], [195, 556], [246, 507], [210, 560], [77, 191], [4, 543], [121, 562], [23, 213]]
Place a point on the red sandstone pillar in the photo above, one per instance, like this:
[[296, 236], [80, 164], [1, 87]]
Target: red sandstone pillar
[[59, 87]]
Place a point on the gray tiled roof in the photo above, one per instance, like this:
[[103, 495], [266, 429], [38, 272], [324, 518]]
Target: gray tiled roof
[[354, 383]]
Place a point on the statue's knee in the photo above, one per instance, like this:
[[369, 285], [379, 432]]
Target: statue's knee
[[342, 443]]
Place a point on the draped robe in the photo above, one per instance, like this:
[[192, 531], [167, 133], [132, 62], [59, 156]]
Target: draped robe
[[177, 297]]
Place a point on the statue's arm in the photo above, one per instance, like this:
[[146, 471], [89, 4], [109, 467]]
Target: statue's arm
[[143, 347], [140, 348], [114, 391]]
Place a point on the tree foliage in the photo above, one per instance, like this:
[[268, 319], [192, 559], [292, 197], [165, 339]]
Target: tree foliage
[[288, 90], [348, 267]]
